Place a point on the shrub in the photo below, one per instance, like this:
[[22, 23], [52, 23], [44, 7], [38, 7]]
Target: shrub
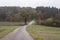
[[49, 22]]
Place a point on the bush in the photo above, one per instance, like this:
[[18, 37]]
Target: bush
[[49, 22]]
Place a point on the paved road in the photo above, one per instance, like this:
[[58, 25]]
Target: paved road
[[19, 34]]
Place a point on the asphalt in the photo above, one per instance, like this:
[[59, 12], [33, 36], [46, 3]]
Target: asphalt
[[19, 34]]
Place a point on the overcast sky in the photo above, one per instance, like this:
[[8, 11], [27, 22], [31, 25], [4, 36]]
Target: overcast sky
[[30, 3]]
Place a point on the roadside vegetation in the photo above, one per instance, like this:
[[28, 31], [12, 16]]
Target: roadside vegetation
[[4, 30], [39, 32]]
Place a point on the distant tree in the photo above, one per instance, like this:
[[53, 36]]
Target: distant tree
[[27, 14]]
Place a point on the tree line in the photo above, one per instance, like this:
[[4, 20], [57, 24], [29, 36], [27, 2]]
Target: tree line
[[49, 16]]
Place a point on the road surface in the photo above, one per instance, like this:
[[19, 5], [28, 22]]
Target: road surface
[[19, 34]]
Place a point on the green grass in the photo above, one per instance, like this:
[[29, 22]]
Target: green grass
[[4, 30], [39, 32]]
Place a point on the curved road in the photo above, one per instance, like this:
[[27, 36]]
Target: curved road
[[19, 34]]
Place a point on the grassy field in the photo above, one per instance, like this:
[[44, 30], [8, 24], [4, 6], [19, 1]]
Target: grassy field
[[39, 32], [11, 23], [4, 30]]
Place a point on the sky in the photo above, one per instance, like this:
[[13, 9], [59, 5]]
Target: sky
[[30, 3]]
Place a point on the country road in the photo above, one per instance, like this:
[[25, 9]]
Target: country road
[[19, 34]]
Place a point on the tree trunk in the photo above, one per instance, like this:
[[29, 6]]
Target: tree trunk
[[26, 21]]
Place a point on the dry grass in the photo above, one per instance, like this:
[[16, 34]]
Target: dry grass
[[11, 23]]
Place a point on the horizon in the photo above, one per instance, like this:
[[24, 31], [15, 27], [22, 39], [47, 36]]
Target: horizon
[[30, 3], [31, 7]]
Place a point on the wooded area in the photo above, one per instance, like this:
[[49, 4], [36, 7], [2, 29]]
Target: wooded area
[[49, 16]]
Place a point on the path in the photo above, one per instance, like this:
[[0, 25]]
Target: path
[[19, 34]]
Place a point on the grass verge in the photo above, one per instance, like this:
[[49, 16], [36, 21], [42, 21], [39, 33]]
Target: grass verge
[[4, 30], [43, 32]]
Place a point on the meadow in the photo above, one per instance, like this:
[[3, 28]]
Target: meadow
[[4, 30], [39, 32]]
